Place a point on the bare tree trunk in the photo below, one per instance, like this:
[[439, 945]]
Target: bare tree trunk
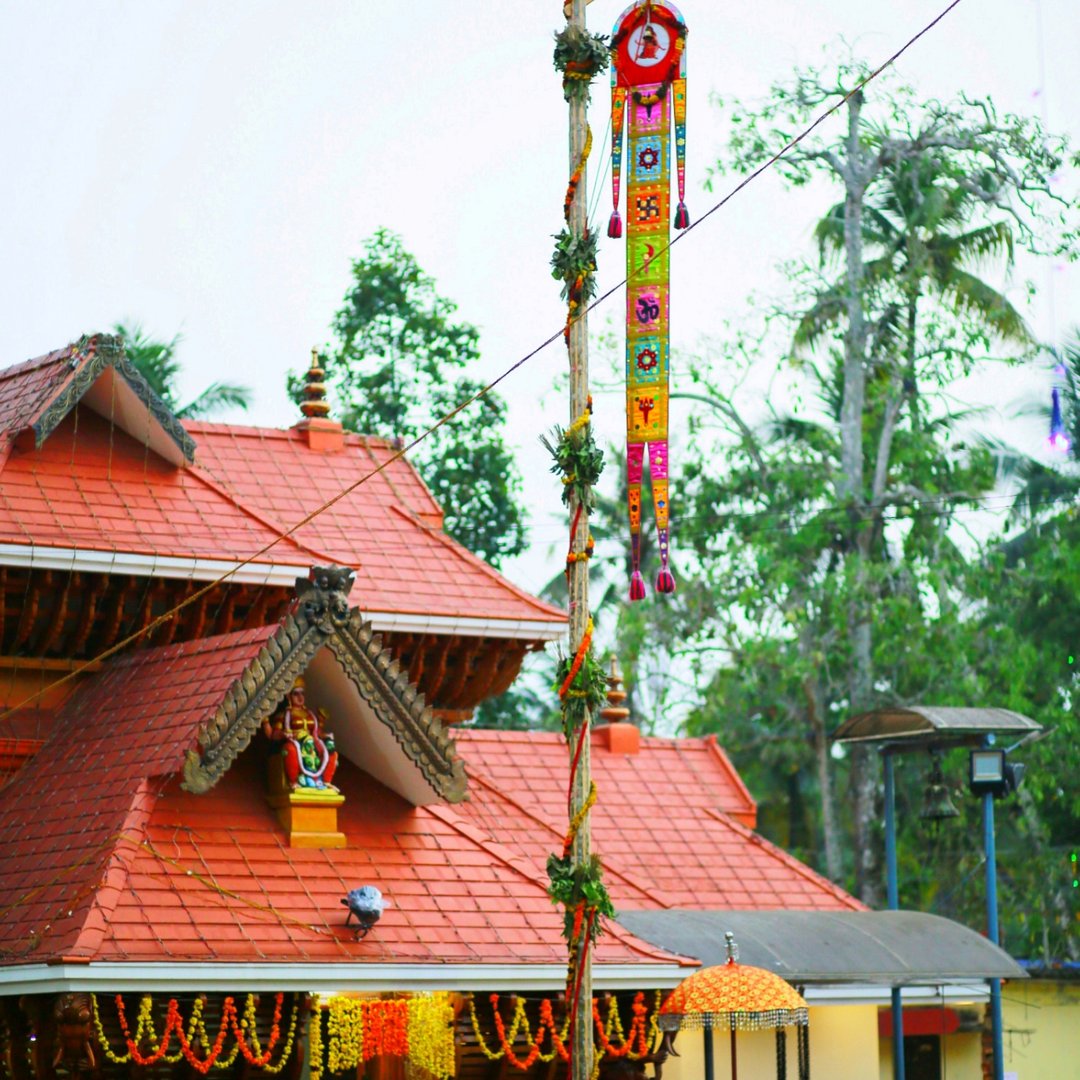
[[812, 690], [856, 173]]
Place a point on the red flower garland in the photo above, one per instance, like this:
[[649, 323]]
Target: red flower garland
[[174, 1023]]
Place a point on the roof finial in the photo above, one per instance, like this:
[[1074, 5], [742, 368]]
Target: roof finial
[[315, 403], [732, 948], [615, 712]]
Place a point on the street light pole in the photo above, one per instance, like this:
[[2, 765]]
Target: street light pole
[[990, 848], [892, 892]]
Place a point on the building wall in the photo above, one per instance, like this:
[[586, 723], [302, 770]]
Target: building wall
[[843, 1046], [961, 1057], [1041, 1029]]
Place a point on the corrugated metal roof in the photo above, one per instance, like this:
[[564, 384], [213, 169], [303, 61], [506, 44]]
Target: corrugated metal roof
[[888, 948], [932, 723]]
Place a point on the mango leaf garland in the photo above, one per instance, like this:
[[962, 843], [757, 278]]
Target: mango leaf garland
[[578, 460], [575, 885], [580, 57]]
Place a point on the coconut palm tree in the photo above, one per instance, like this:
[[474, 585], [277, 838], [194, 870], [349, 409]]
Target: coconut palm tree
[[156, 362]]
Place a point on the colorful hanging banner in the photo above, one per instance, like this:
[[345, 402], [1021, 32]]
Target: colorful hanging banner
[[648, 84]]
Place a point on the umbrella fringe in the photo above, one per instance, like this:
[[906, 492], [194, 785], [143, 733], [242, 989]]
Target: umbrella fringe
[[736, 1019]]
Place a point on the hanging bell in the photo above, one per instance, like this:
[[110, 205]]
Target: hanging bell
[[937, 805]]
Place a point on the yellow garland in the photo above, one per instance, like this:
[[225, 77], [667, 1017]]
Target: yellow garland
[[315, 1039], [586, 806], [431, 1034], [344, 1033], [290, 1038]]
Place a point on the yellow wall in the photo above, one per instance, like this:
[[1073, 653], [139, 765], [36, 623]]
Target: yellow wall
[[843, 1046], [1041, 1029], [961, 1057]]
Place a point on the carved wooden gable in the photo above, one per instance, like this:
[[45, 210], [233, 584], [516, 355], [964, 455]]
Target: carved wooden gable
[[378, 719]]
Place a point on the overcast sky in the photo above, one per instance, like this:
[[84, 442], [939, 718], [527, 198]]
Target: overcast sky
[[211, 168]]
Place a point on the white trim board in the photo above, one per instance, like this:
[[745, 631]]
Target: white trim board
[[324, 977], [864, 994]]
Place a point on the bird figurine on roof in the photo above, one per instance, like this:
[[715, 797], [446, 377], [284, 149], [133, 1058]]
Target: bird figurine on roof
[[367, 904]]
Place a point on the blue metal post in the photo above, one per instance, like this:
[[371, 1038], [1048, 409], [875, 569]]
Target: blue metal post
[[990, 849], [892, 891]]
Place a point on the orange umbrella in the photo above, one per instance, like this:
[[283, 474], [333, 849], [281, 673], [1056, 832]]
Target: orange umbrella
[[734, 996]]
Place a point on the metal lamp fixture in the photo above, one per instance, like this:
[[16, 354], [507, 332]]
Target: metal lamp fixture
[[991, 774]]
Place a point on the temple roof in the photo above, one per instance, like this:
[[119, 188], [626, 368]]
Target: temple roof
[[671, 821], [97, 475], [118, 863]]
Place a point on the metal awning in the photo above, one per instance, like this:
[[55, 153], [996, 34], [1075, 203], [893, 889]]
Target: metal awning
[[932, 724], [885, 948]]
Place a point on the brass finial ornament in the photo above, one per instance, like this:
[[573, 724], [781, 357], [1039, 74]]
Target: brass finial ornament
[[315, 403], [615, 712]]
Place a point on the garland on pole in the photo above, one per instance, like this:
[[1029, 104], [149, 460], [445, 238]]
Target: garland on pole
[[580, 56]]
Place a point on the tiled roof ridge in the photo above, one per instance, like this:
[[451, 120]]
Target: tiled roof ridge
[[388, 479], [113, 881], [788, 859], [467, 556], [289, 434], [523, 866], [625, 877], [284, 535], [713, 743]]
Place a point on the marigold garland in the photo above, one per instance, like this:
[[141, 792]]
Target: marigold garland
[[419, 1028], [315, 1054], [244, 1028], [644, 1037]]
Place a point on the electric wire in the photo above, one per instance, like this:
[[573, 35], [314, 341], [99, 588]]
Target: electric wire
[[462, 406]]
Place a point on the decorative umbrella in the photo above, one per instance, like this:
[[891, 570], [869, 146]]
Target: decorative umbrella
[[736, 997]]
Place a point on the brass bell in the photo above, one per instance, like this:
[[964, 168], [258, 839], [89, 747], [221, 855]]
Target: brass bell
[[937, 805]]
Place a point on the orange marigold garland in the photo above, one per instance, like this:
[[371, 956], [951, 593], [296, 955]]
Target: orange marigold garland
[[195, 1036], [643, 1038]]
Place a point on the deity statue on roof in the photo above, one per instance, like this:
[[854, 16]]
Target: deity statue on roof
[[306, 753]]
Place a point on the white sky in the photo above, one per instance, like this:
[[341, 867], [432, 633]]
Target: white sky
[[211, 168]]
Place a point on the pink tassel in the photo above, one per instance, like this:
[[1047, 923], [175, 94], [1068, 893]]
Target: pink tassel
[[665, 581], [614, 225], [637, 586], [682, 217]]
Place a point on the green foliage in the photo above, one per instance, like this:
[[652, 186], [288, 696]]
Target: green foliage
[[574, 883], [156, 362], [830, 523], [401, 361], [578, 460], [574, 258]]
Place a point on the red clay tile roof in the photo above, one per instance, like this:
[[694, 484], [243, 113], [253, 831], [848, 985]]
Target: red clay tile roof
[[403, 565], [214, 881], [666, 824], [26, 388], [93, 488], [96, 779], [115, 862]]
